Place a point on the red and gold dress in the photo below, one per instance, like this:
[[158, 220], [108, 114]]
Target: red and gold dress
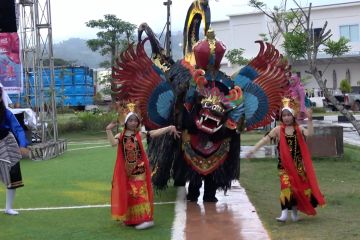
[[132, 194], [298, 182]]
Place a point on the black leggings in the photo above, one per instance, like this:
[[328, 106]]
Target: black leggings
[[15, 177]]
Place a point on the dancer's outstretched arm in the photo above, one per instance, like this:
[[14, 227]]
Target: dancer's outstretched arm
[[170, 129], [310, 128], [265, 140], [113, 140]]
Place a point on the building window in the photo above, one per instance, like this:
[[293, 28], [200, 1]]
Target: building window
[[316, 32], [350, 32], [334, 79]]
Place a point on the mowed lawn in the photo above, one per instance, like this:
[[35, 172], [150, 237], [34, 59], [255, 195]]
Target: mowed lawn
[[80, 177], [339, 181]]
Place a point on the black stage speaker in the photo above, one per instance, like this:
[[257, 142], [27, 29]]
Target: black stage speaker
[[7, 16]]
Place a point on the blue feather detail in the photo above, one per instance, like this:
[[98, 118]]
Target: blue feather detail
[[251, 105], [256, 104], [164, 104], [249, 72], [237, 112], [190, 95], [241, 81], [160, 104]]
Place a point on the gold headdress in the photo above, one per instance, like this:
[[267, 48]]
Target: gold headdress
[[291, 104], [125, 108]]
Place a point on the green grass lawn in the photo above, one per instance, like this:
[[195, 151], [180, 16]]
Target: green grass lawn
[[339, 182], [80, 177], [251, 138], [93, 223]]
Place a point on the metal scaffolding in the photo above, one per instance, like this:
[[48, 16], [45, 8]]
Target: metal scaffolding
[[38, 64]]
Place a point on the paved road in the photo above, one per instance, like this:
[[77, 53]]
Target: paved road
[[233, 217], [351, 136]]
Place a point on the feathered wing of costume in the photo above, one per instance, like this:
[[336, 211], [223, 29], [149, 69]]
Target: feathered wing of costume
[[156, 85], [264, 81], [208, 106], [159, 85]]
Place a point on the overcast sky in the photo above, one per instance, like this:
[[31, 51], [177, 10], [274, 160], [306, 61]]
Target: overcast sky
[[69, 16]]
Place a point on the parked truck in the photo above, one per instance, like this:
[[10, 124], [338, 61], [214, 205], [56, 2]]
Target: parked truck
[[74, 87], [352, 100], [348, 100]]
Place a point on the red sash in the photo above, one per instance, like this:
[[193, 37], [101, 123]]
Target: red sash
[[298, 185]]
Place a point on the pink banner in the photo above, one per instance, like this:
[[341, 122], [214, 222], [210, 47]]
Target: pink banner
[[10, 66]]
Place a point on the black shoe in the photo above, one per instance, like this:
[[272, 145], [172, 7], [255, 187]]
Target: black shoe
[[210, 199]]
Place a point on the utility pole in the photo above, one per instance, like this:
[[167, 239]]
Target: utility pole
[[168, 29]]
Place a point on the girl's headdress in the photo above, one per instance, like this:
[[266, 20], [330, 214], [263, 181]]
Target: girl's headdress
[[291, 104], [126, 109]]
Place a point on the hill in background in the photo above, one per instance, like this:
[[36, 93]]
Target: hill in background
[[76, 50]]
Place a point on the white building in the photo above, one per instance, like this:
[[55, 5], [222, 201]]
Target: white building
[[241, 30]]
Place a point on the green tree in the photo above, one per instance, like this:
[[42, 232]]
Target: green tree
[[345, 86], [105, 80], [115, 36], [235, 56], [285, 21], [337, 48], [302, 42]]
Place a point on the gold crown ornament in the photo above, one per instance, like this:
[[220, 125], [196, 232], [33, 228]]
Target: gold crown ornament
[[124, 108], [291, 104]]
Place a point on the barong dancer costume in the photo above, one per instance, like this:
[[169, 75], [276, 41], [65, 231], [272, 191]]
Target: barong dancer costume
[[209, 107]]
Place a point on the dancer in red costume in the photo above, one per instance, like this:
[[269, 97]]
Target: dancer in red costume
[[299, 187], [132, 194]]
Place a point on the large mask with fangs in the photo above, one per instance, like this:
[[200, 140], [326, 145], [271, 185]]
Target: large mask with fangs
[[211, 114]]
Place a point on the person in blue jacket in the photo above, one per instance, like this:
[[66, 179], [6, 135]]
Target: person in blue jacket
[[12, 147]]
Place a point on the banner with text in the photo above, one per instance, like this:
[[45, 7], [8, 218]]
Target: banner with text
[[10, 65]]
